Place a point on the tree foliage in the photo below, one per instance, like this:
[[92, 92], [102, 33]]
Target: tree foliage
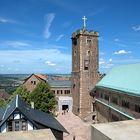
[[2, 103], [23, 92], [42, 96]]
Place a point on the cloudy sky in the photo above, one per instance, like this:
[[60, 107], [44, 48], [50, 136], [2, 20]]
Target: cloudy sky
[[35, 35]]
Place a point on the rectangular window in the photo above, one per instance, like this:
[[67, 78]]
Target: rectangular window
[[16, 125], [24, 125], [9, 125], [125, 103], [86, 64], [53, 91], [115, 100], [67, 91], [101, 95], [34, 82], [137, 108], [107, 97], [88, 41], [57, 91]]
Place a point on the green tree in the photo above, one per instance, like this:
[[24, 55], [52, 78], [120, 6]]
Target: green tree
[[23, 92], [43, 98], [2, 103]]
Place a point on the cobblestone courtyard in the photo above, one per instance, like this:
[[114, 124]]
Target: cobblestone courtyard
[[75, 126]]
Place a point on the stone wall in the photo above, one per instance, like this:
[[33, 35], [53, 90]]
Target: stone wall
[[84, 70], [106, 113]]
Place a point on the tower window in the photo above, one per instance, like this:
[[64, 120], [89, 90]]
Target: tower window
[[86, 64], [88, 52], [88, 41], [74, 52], [74, 41]]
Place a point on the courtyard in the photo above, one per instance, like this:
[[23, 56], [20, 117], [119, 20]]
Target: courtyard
[[75, 126]]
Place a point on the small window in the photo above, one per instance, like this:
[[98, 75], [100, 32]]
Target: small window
[[88, 41], [34, 82], [88, 53], [53, 91], [107, 97], [67, 91], [74, 41], [101, 95], [73, 85], [9, 125], [74, 53], [137, 108], [24, 125], [125, 103], [16, 125], [115, 100], [86, 64]]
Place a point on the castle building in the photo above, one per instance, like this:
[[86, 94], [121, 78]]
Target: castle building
[[117, 95], [60, 85], [84, 69], [31, 82]]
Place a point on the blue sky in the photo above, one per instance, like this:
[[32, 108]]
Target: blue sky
[[35, 35]]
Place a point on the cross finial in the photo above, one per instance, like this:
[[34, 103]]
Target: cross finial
[[84, 19]]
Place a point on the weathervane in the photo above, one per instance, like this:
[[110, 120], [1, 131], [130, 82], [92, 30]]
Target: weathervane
[[84, 19]]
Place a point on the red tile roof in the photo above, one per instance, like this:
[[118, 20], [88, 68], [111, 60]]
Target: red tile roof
[[41, 77], [4, 95]]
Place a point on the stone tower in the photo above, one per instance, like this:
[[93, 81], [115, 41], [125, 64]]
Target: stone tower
[[84, 69]]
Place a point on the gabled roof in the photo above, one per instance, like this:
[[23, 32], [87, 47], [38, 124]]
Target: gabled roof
[[59, 83], [41, 77], [38, 118], [125, 78], [38, 76]]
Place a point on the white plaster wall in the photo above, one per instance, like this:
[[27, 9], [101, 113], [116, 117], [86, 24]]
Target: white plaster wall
[[65, 101], [16, 116], [30, 126], [3, 128]]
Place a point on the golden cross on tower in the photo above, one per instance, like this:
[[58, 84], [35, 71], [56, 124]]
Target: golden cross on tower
[[84, 19]]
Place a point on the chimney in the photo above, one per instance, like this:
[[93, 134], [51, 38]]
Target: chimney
[[32, 105]]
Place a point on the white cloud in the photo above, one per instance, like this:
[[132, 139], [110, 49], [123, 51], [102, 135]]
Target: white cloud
[[49, 19], [1, 66], [4, 20], [59, 37], [122, 52], [110, 60], [116, 40], [32, 61], [15, 44], [49, 63], [101, 61], [136, 28]]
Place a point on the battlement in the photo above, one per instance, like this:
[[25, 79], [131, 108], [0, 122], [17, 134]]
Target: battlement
[[85, 32]]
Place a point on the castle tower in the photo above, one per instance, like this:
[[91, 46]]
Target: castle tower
[[84, 69]]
